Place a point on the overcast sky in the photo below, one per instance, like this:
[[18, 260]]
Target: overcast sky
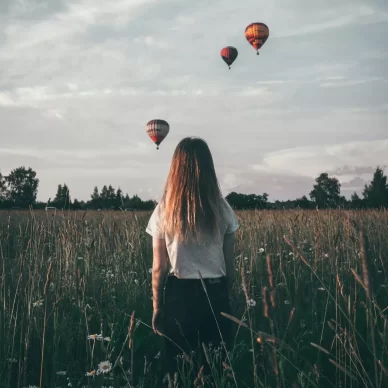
[[79, 80]]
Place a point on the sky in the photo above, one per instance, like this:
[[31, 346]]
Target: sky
[[79, 80]]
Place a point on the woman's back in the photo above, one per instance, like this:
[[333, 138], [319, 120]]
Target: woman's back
[[204, 255]]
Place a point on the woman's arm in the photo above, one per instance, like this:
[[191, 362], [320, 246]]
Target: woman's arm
[[159, 271], [228, 248]]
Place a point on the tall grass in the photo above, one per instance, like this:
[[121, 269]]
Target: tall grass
[[309, 303]]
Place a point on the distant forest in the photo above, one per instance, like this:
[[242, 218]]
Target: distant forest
[[19, 190]]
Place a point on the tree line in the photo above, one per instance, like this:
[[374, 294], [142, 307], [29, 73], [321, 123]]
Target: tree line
[[19, 189], [326, 194]]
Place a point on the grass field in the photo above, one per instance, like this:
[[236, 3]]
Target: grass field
[[310, 301]]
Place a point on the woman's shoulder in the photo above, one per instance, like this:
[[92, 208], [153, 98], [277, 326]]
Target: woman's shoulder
[[225, 204], [229, 217], [226, 209]]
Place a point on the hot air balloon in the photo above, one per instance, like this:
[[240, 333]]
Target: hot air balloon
[[257, 34], [157, 130], [229, 55]]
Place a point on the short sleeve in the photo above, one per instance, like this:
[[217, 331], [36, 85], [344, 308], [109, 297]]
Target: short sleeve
[[154, 227], [231, 220]]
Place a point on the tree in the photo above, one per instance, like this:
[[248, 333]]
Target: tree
[[22, 186], [303, 203], [95, 199], [376, 193], [356, 202], [62, 197], [247, 201], [119, 198], [3, 188], [326, 192]]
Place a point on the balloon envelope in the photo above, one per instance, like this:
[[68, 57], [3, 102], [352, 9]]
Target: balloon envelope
[[229, 55], [257, 34], [157, 130]]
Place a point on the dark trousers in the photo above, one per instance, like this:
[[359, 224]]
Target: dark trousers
[[189, 320]]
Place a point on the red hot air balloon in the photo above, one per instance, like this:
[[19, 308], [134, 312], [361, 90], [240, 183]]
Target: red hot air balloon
[[257, 34], [157, 130], [229, 55]]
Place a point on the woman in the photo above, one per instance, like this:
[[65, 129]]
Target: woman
[[193, 233]]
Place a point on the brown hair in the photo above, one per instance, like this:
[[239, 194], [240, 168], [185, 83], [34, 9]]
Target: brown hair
[[192, 195]]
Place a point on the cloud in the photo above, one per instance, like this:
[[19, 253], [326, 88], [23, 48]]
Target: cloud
[[354, 170], [348, 82], [311, 161]]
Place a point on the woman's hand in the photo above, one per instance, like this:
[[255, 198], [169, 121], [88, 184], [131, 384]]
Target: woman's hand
[[157, 321]]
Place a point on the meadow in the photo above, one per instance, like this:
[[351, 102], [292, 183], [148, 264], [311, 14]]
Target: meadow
[[309, 303]]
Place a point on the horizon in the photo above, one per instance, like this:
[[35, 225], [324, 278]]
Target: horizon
[[80, 82]]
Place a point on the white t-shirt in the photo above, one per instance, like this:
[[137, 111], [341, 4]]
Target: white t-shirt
[[187, 259]]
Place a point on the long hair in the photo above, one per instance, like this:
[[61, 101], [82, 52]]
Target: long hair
[[192, 195]]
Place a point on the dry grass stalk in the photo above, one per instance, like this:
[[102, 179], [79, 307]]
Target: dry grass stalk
[[244, 282], [272, 296], [131, 329], [383, 368], [264, 337], [270, 272], [265, 302], [291, 316], [235, 320], [206, 353], [188, 359], [320, 348], [170, 382], [340, 367], [295, 249], [275, 363], [365, 266], [340, 285], [199, 381], [47, 278], [357, 277]]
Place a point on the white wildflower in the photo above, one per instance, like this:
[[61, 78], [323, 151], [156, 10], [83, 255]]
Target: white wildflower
[[97, 337], [251, 303], [321, 289], [261, 250], [326, 255], [104, 367], [38, 303], [286, 302]]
